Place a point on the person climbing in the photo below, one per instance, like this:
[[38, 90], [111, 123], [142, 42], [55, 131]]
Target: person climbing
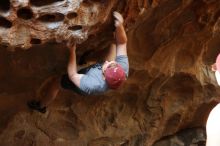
[[92, 80], [212, 124]]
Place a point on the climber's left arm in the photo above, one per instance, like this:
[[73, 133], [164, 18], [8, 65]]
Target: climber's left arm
[[72, 67], [120, 35]]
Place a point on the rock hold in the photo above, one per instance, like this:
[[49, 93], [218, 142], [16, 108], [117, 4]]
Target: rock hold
[[29, 22]]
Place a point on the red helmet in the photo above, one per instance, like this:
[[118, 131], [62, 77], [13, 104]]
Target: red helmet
[[114, 76]]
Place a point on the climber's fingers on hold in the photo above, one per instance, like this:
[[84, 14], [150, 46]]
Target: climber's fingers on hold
[[118, 17]]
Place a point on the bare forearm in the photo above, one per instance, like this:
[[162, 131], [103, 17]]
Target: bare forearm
[[121, 40], [112, 53], [120, 34], [72, 67]]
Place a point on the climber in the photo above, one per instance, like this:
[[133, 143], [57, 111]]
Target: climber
[[212, 125], [95, 79]]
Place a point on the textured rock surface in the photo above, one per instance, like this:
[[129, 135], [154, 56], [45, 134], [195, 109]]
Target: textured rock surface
[[27, 22], [168, 95], [188, 137]]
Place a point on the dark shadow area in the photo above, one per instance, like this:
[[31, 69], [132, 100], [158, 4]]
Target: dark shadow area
[[95, 1], [172, 124], [75, 27], [187, 137], [83, 58], [5, 23], [35, 41], [4, 5], [212, 51], [39, 3], [23, 71], [25, 13], [71, 15], [216, 16], [150, 2], [202, 113], [55, 17]]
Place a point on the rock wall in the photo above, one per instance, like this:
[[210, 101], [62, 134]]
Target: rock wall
[[166, 99]]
